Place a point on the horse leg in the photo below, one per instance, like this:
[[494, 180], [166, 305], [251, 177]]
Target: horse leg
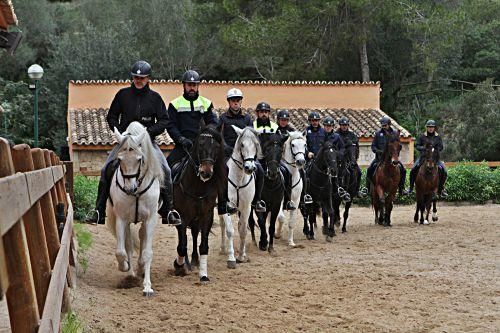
[[415, 216], [229, 232], [181, 264], [251, 224], [346, 216], [121, 253], [281, 220], [242, 230], [325, 216], [312, 223], [195, 259], [205, 230], [129, 247], [381, 201], [305, 216], [421, 209], [434, 208], [291, 225], [272, 229], [147, 254], [223, 241], [261, 219], [428, 202], [388, 210]]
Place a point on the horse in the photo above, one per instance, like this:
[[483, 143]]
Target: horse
[[322, 176], [294, 160], [349, 180], [133, 197], [427, 185], [195, 193], [273, 192], [241, 190], [385, 180]]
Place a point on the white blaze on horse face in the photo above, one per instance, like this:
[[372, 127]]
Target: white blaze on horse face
[[130, 161]]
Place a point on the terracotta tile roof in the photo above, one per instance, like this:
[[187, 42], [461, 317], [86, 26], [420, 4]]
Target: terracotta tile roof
[[7, 11], [274, 83], [89, 126]]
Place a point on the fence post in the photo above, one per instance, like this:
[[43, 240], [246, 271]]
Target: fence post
[[35, 233], [69, 179], [49, 217], [53, 191], [21, 297], [61, 197]]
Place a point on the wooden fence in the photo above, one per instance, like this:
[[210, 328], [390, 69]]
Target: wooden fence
[[36, 229]]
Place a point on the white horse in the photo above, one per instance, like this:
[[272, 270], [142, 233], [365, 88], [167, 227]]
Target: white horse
[[294, 159], [241, 190], [134, 194]]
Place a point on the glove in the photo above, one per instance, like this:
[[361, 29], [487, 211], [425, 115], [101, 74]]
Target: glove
[[185, 143]]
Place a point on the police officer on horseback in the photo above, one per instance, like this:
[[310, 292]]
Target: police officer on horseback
[[284, 126], [183, 125], [378, 146], [432, 137], [350, 139], [333, 136], [315, 135], [235, 116], [137, 103]]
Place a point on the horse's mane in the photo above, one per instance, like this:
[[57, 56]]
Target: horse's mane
[[151, 164], [251, 134], [212, 130], [295, 135]]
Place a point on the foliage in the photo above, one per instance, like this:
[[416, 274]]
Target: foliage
[[84, 239], [72, 324], [85, 194]]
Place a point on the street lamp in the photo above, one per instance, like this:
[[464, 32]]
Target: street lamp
[[35, 72]]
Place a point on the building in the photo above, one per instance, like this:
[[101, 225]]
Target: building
[[90, 139], [9, 40]]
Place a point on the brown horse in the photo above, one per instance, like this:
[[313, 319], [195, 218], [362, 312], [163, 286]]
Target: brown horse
[[386, 180], [427, 185]]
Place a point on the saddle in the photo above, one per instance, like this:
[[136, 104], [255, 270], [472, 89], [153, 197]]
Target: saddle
[[177, 170]]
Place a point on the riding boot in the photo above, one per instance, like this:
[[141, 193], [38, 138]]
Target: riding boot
[[258, 204], [413, 178], [443, 175], [306, 197], [402, 180], [167, 212], [369, 176], [98, 216], [224, 206]]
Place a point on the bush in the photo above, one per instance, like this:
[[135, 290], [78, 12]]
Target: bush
[[85, 194]]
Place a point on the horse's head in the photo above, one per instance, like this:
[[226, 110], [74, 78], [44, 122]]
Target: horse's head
[[207, 150], [295, 149], [130, 157], [351, 154], [392, 148], [431, 157], [273, 150], [247, 147], [327, 159]]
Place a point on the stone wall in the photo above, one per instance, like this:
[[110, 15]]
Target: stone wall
[[366, 155]]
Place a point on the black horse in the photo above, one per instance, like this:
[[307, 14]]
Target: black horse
[[349, 180], [273, 191], [322, 180], [195, 192]]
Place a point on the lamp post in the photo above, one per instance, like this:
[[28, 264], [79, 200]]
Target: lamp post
[[35, 72]]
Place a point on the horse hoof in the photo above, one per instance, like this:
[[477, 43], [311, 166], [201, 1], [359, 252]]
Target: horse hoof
[[329, 239], [415, 221], [195, 262], [277, 236], [262, 247], [231, 264], [242, 261], [344, 231], [324, 230], [123, 266], [148, 293], [292, 244], [426, 222], [387, 225], [272, 252], [204, 280], [435, 218], [181, 270]]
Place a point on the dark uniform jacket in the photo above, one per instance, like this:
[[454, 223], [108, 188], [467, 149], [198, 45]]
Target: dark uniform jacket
[[227, 119], [143, 105], [285, 130], [378, 143], [337, 141], [434, 139], [315, 136], [186, 122], [349, 138]]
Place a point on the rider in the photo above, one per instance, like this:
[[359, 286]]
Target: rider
[[183, 125], [350, 139], [264, 125], [235, 116], [284, 126], [137, 103], [332, 136], [432, 137], [315, 135], [378, 146]]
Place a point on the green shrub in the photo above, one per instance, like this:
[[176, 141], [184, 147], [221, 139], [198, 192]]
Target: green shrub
[[72, 324], [84, 239], [85, 194]]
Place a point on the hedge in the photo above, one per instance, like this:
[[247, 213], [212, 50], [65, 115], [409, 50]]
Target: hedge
[[466, 182]]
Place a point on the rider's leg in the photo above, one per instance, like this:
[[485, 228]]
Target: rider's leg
[[167, 212], [413, 175], [369, 174], [358, 182], [443, 175], [288, 189], [223, 204], [257, 203], [402, 180], [306, 197]]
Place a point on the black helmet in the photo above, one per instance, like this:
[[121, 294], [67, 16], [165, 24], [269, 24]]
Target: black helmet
[[263, 106], [191, 76], [141, 68], [430, 123], [344, 121], [328, 121], [283, 114], [385, 120], [314, 116]]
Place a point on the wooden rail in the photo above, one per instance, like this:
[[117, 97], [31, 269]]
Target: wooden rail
[[34, 260]]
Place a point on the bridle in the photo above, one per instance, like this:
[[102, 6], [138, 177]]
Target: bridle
[[294, 155]]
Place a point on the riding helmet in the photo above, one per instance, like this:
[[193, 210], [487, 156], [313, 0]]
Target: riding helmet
[[344, 121], [314, 116], [141, 68], [263, 106], [385, 120], [328, 121], [430, 123], [283, 114], [191, 76], [234, 93]]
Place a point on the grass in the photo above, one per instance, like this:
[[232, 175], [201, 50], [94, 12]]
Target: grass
[[72, 324], [84, 239]]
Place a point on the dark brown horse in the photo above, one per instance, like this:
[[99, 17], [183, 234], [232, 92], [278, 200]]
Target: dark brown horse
[[427, 185], [195, 193], [386, 180]]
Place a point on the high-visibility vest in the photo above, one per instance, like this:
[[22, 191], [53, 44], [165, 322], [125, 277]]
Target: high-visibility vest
[[201, 104], [265, 129]]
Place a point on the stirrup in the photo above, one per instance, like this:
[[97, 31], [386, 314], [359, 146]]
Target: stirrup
[[95, 218], [260, 206], [290, 206], [173, 218], [363, 192], [308, 199]]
